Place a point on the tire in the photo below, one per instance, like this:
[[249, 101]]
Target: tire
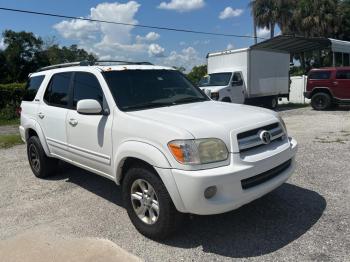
[[272, 102], [166, 221], [226, 100], [321, 101], [42, 166]]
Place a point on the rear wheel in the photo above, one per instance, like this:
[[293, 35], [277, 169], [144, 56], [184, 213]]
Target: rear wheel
[[148, 203], [271, 102], [321, 101], [41, 165]]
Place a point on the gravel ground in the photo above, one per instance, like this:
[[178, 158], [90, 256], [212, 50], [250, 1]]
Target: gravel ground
[[306, 219]]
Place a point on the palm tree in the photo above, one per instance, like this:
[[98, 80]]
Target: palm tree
[[265, 14]]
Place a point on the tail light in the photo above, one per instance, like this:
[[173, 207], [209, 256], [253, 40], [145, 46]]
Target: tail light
[[18, 111]]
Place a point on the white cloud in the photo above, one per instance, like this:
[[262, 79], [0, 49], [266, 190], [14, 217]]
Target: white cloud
[[155, 50], [229, 12], [230, 46], [101, 38], [182, 5], [2, 44], [186, 58], [263, 32], [150, 37]]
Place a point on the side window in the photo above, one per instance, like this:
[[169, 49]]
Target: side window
[[86, 86], [57, 93], [237, 79], [32, 87], [320, 75], [343, 74]]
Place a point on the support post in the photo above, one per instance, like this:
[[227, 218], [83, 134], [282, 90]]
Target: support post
[[333, 58]]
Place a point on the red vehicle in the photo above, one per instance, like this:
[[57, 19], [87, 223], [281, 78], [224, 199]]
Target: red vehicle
[[327, 87]]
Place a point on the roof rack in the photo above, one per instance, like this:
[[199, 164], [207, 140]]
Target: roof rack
[[91, 63]]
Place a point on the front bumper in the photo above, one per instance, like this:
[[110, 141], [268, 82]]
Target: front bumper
[[230, 194]]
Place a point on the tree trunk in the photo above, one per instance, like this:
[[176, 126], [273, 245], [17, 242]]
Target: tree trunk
[[255, 31], [272, 30]]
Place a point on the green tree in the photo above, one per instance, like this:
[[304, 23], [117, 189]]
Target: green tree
[[58, 55], [317, 18], [22, 54], [265, 14], [344, 29], [197, 73]]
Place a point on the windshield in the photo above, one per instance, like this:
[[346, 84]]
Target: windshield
[[218, 79], [143, 89]]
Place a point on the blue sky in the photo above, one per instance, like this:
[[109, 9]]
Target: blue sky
[[116, 42]]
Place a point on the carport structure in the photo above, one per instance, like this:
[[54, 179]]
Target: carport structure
[[340, 50]]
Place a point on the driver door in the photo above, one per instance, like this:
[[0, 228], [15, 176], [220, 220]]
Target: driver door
[[89, 136], [237, 88]]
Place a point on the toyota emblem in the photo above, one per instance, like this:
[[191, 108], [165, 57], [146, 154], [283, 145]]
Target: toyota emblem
[[265, 137]]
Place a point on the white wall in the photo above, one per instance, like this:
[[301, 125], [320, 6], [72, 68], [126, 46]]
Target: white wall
[[297, 89]]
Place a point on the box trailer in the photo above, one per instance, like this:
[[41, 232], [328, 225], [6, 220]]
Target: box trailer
[[250, 76]]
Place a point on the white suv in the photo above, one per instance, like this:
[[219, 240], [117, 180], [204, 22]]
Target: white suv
[[146, 127]]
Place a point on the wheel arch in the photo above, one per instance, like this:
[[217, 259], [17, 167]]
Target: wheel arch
[[321, 90], [134, 151], [32, 128]]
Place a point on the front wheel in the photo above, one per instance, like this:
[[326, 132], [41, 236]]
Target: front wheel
[[148, 203], [321, 101]]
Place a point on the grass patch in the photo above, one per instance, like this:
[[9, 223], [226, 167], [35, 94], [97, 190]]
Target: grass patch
[[9, 122], [7, 141]]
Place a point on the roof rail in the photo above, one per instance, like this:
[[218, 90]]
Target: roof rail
[[91, 63], [122, 62], [82, 63]]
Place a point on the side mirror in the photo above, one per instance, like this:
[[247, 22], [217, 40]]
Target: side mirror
[[89, 107], [237, 83], [207, 92]]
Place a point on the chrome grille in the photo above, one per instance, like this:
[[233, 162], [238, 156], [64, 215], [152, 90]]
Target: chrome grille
[[250, 139]]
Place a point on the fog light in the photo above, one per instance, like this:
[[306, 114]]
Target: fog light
[[210, 192]]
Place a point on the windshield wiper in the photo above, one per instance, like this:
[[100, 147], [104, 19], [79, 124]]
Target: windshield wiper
[[147, 105], [190, 99]]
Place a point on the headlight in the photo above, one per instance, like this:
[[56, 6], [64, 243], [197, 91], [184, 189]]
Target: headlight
[[198, 151], [283, 124]]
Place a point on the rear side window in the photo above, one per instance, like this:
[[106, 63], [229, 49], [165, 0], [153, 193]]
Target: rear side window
[[343, 74], [86, 86], [320, 75], [57, 93], [32, 87]]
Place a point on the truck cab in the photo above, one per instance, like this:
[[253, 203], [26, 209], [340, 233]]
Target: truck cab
[[225, 86]]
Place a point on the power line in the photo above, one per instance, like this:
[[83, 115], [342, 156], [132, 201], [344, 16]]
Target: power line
[[125, 24]]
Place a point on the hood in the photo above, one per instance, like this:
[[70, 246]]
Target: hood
[[210, 119], [213, 89]]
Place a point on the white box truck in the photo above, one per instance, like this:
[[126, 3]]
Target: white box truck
[[250, 76]]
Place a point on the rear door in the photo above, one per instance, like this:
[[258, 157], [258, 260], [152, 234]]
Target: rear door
[[320, 78], [342, 82], [89, 136], [53, 111]]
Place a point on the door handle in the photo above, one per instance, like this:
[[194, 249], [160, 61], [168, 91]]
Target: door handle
[[73, 122], [335, 83], [41, 115]]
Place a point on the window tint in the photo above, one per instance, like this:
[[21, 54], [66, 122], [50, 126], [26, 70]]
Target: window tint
[[141, 89], [320, 75], [237, 79], [86, 86], [343, 74], [32, 87], [57, 92]]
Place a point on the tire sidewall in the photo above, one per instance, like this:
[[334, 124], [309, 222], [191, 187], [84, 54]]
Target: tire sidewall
[[325, 97], [155, 230]]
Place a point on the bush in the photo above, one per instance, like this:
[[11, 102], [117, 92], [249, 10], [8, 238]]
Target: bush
[[10, 99]]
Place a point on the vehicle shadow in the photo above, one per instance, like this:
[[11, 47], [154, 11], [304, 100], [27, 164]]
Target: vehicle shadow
[[259, 228]]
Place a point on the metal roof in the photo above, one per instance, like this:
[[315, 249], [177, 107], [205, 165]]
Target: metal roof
[[298, 44]]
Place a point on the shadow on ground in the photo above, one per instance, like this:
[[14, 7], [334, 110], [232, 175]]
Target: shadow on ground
[[258, 228]]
